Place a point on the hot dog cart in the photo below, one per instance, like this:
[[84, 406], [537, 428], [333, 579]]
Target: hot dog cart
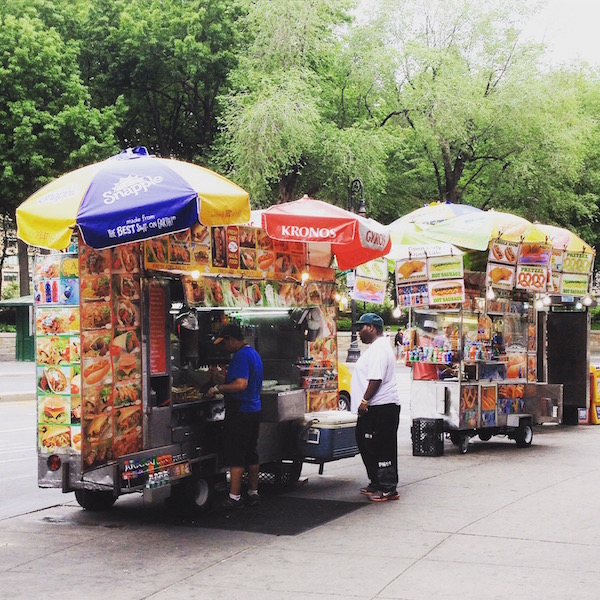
[[476, 350], [152, 262], [125, 354]]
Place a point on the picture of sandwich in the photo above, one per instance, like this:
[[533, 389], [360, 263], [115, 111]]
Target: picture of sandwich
[[126, 366], [447, 289], [57, 380], [126, 342], [53, 437], [126, 419], [97, 428], [95, 370], [54, 410], [200, 233], [127, 315]]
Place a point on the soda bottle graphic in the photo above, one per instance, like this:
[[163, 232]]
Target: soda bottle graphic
[[54, 291], [48, 289]]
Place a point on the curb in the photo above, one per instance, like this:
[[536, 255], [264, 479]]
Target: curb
[[18, 397]]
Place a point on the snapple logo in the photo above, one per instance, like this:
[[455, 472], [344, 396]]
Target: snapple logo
[[307, 232], [130, 186]]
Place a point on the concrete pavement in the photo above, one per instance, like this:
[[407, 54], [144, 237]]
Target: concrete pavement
[[498, 522]]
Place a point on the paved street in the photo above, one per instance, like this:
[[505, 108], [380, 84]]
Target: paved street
[[499, 522]]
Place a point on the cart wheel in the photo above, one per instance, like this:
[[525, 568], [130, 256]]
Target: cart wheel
[[195, 493], [464, 444], [485, 437], [455, 438], [287, 474], [95, 500], [344, 402], [524, 435]]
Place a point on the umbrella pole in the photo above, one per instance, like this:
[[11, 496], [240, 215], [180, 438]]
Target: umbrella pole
[[355, 190]]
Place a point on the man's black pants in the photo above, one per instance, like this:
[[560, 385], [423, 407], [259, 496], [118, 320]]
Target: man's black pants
[[377, 441]]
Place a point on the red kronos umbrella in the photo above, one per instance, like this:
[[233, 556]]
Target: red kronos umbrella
[[354, 240]]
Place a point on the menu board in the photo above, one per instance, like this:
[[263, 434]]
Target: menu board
[[430, 280], [369, 290], [229, 250], [578, 262], [111, 366], [57, 352], [158, 330], [488, 405]]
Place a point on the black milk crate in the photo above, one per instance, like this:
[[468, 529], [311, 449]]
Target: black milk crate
[[427, 437]]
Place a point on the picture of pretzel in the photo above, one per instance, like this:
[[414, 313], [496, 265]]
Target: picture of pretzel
[[468, 398]]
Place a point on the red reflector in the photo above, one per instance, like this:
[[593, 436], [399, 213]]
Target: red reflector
[[54, 462]]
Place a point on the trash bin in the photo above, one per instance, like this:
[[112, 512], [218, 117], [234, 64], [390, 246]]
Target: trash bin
[[428, 437]]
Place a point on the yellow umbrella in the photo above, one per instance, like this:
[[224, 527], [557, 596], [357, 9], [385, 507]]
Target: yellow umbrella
[[129, 197], [564, 239], [475, 230]]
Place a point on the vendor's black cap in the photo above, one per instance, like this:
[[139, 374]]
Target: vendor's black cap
[[232, 331]]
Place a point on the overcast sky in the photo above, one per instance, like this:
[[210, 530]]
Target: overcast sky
[[570, 30]]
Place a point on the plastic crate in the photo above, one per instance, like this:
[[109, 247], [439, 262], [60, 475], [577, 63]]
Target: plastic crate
[[428, 437]]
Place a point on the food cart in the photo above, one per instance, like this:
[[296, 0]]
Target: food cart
[[476, 352], [125, 329]]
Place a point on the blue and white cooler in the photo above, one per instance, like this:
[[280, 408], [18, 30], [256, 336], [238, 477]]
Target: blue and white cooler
[[328, 435]]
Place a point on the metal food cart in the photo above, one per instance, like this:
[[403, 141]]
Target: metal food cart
[[477, 341]]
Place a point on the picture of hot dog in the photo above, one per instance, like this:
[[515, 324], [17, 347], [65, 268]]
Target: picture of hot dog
[[95, 370], [265, 260], [219, 247], [510, 254], [497, 252]]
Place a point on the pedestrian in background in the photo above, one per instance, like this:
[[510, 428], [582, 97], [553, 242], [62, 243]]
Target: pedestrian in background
[[374, 396], [398, 344]]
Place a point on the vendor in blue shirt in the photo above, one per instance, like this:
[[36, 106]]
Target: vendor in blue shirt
[[241, 388]]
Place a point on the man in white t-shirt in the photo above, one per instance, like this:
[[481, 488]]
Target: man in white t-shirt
[[375, 398]]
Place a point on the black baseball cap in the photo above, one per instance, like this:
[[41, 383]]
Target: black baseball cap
[[230, 331]]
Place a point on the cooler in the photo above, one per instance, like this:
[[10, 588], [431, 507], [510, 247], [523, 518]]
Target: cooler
[[328, 435]]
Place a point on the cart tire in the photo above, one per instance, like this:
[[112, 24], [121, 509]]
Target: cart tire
[[485, 437], [344, 401], [195, 493], [95, 500], [455, 438], [464, 444], [524, 435]]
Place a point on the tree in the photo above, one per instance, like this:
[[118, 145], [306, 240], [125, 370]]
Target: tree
[[47, 125], [476, 120], [290, 124], [169, 62]]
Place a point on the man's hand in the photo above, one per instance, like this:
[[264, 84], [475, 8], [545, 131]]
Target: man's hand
[[363, 407]]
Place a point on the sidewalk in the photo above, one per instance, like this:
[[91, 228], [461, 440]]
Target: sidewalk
[[17, 381]]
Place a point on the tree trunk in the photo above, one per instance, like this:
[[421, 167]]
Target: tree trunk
[[24, 285]]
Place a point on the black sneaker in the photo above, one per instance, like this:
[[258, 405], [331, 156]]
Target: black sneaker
[[384, 496], [228, 503], [252, 499], [369, 490]]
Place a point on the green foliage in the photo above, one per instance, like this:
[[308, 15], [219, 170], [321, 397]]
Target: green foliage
[[47, 124], [10, 290]]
